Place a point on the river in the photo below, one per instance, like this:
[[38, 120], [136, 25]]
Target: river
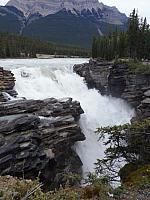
[[44, 78]]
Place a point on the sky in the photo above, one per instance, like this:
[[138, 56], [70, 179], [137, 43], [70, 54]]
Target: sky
[[125, 6]]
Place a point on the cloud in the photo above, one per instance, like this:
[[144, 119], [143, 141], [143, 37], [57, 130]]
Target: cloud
[[127, 6], [3, 2]]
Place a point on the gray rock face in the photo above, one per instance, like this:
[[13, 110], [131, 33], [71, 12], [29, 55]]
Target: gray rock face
[[118, 81], [47, 7], [147, 93], [31, 144], [7, 83], [84, 19], [96, 74], [36, 137]]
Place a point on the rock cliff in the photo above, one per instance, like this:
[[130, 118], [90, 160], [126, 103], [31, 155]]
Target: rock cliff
[[37, 137], [130, 81], [77, 7], [46, 7], [118, 80]]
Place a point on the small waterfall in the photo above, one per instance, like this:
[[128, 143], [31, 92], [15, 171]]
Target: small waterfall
[[55, 78], [7, 96]]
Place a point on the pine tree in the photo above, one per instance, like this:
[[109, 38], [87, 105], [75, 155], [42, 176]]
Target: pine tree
[[134, 43], [133, 34], [94, 48]]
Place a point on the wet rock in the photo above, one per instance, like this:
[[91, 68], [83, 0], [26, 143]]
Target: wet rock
[[37, 136], [96, 74], [7, 83], [147, 93], [47, 108], [31, 144], [119, 81]]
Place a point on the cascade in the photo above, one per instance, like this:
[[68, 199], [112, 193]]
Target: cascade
[[40, 79]]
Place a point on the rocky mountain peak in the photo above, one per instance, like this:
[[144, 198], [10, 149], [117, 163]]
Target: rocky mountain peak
[[87, 17], [46, 7]]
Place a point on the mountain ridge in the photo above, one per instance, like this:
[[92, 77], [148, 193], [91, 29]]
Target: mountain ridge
[[47, 7], [62, 21]]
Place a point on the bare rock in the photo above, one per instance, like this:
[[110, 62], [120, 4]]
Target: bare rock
[[36, 137], [7, 83], [96, 74], [117, 80], [31, 144]]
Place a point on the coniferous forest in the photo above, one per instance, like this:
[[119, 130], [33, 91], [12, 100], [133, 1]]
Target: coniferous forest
[[135, 43], [15, 46]]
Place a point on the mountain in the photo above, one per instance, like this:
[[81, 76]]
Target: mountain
[[61, 21], [77, 7], [11, 19]]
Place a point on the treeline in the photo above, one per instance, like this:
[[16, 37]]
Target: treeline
[[135, 43], [13, 46]]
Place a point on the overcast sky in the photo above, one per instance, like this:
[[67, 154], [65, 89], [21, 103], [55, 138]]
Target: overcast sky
[[125, 6]]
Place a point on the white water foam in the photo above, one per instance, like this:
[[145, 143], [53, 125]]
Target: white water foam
[[55, 78]]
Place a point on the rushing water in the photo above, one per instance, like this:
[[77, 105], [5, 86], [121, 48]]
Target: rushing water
[[39, 79]]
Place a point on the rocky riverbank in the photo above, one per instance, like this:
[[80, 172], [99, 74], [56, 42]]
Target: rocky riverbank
[[119, 80], [37, 137], [131, 82]]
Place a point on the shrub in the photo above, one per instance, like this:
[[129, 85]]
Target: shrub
[[129, 143]]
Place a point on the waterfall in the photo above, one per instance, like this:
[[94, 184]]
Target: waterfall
[[40, 79]]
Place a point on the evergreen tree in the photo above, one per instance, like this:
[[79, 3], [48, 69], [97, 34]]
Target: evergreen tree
[[135, 43], [94, 47], [133, 34], [12, 46]]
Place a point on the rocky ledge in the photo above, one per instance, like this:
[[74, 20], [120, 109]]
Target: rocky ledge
[[7, 83], [119, 80], [37, 138]]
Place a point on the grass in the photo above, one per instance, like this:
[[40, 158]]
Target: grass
[[18, 189], [135, 66]]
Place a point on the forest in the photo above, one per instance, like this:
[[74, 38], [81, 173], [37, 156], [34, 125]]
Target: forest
[[135, 43], [15, 46]]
